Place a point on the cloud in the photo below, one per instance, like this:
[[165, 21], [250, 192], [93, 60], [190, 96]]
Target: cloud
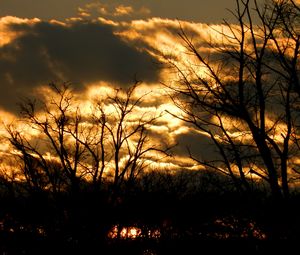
[[80, 52], [199, 144], [84, 51], [160, 37], [122, 10], [6, 34], [112, 10]]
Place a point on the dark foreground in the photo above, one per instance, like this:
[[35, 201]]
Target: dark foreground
[[164, 214], [145, 248]]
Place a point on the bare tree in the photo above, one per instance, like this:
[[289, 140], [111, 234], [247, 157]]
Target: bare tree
[[52, 123], [121, 144], [69, 147], [252, 83]]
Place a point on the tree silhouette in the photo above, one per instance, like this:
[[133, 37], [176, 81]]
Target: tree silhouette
[[53, 126], [74, 166], [246, 98], [85, 147]]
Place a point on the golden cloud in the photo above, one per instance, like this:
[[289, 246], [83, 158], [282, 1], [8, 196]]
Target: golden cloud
[[6, 33], [111, 10], [122, 10], [155, 36]]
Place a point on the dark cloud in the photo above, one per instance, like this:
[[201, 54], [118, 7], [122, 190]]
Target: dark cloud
[[200, 146], [82, 52]]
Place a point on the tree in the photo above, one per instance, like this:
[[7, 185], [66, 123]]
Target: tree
[[246, 96], [81, 161], [51, 155], [61, 146], [118, 139]]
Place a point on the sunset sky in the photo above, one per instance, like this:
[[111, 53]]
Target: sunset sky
[[120, 110], [118, 118], [101, 45], [192, 10]]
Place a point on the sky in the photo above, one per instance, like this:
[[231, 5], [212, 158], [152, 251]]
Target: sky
[[193, 10], [105, 44], [78, 41]]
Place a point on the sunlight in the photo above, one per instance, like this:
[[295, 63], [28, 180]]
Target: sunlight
[[6, 118], [7, 35], [99, 91], [124, 232], [172, 166], [171, 121], [132, 233]]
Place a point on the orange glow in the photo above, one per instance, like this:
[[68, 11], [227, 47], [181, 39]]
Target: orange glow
[[6, 34], [108, 22], [132, 233], [125, 232], [123, 10], [157, 34], [99, 91]]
